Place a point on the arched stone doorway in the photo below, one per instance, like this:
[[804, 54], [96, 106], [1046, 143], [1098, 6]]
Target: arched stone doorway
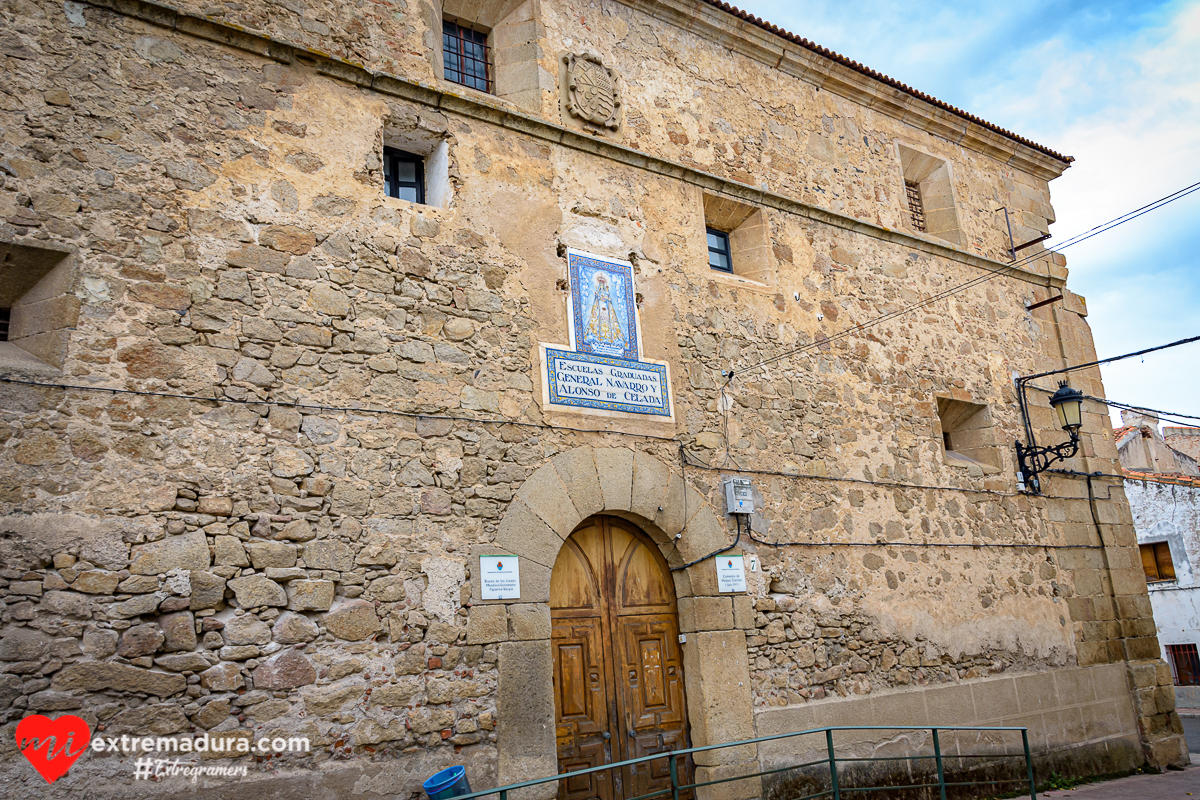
[[618, 668], [556, 500]]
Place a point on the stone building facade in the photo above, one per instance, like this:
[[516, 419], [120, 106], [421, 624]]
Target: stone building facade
[[261, 420]]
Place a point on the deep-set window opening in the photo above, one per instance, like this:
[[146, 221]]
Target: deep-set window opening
[[916, 209], [465, 56], [1156, 562], [5, 315], [719, 256], [404, 175]]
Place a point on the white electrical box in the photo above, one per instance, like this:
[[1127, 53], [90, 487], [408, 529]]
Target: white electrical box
[[739, 496]]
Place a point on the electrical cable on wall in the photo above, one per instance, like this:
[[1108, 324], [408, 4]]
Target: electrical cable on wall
[[717, 552], [991, 273], [334, 409], [689, 461], [1111, 359], [1022, 385], [692, 461], [724, 400], [686, 457]]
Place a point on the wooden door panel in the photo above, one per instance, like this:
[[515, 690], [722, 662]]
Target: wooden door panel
[[583, 725], [576, 580], [580, 699], [593, 786], [643, 586], [651, 669], [617, 664]]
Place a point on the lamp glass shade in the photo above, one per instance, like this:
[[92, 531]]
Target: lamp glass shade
[[1068, 403]]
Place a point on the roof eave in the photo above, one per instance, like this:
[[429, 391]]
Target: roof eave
[[756, 38]]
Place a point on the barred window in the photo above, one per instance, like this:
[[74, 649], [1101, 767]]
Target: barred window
[[916, 209], [465, 56], [4, 317], [1185, 664]]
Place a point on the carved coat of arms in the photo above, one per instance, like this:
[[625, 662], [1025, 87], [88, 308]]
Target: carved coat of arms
[[593, 94]]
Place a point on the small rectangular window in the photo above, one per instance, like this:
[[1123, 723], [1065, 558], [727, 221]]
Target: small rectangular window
[[968, 436], [719, 256], [5, 314], [404, 175], [1156, 562], [1185, 664], [465, 56], [916, 208]]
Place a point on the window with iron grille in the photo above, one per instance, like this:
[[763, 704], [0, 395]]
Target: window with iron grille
[[4, 317], [1157, 563], [465, 56], [916, 209], [1185, 664], [404, 175], [719, 256]]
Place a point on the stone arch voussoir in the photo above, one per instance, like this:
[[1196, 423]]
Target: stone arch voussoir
[[620, 481]]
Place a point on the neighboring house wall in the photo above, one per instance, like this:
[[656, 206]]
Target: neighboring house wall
[[1183, 440], [1143, 449], [1170, 512]]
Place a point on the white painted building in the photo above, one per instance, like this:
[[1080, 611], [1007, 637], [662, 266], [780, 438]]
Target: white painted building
[[1163, 488]]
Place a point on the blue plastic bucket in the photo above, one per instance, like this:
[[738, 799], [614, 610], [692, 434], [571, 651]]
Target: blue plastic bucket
[[450, 782]]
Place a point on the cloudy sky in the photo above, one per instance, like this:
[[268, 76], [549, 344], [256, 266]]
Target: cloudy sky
[[1115, 84]]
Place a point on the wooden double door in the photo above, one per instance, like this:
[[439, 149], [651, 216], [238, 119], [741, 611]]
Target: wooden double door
[[618, 670]]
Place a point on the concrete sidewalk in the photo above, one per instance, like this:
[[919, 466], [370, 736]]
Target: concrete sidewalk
[[1167, 786]]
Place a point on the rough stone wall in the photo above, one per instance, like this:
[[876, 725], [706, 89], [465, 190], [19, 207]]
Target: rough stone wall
[[798, 139], [805, 648], [801, 140], [239, 564]]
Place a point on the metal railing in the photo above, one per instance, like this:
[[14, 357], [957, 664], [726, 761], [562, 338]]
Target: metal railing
[[829, 761]]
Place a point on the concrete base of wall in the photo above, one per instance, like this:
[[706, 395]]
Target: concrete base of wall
[[1187, 696], [1081, 721]]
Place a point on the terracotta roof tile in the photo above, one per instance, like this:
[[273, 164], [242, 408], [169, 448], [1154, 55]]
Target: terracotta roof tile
[[879, 76], [1158, 477], [1119, 433]]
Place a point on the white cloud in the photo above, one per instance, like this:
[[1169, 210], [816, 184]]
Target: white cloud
[[1131, 117]]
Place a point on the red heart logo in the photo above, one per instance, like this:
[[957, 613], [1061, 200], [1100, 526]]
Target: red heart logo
[[52, 745]]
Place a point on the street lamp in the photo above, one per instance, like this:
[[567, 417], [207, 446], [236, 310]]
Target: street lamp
[[1068, 404]]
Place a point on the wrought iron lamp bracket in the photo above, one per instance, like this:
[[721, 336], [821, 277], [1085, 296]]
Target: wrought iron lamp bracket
[[1034, 460]]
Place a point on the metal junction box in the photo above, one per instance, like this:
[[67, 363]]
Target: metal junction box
[[739, 496]]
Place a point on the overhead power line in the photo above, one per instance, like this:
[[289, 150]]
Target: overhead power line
[[1022, 381], [1163, 416], [1111, 359], [990, 274]]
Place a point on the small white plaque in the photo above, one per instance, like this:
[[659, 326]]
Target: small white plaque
[[731, 574], [500, 577]]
